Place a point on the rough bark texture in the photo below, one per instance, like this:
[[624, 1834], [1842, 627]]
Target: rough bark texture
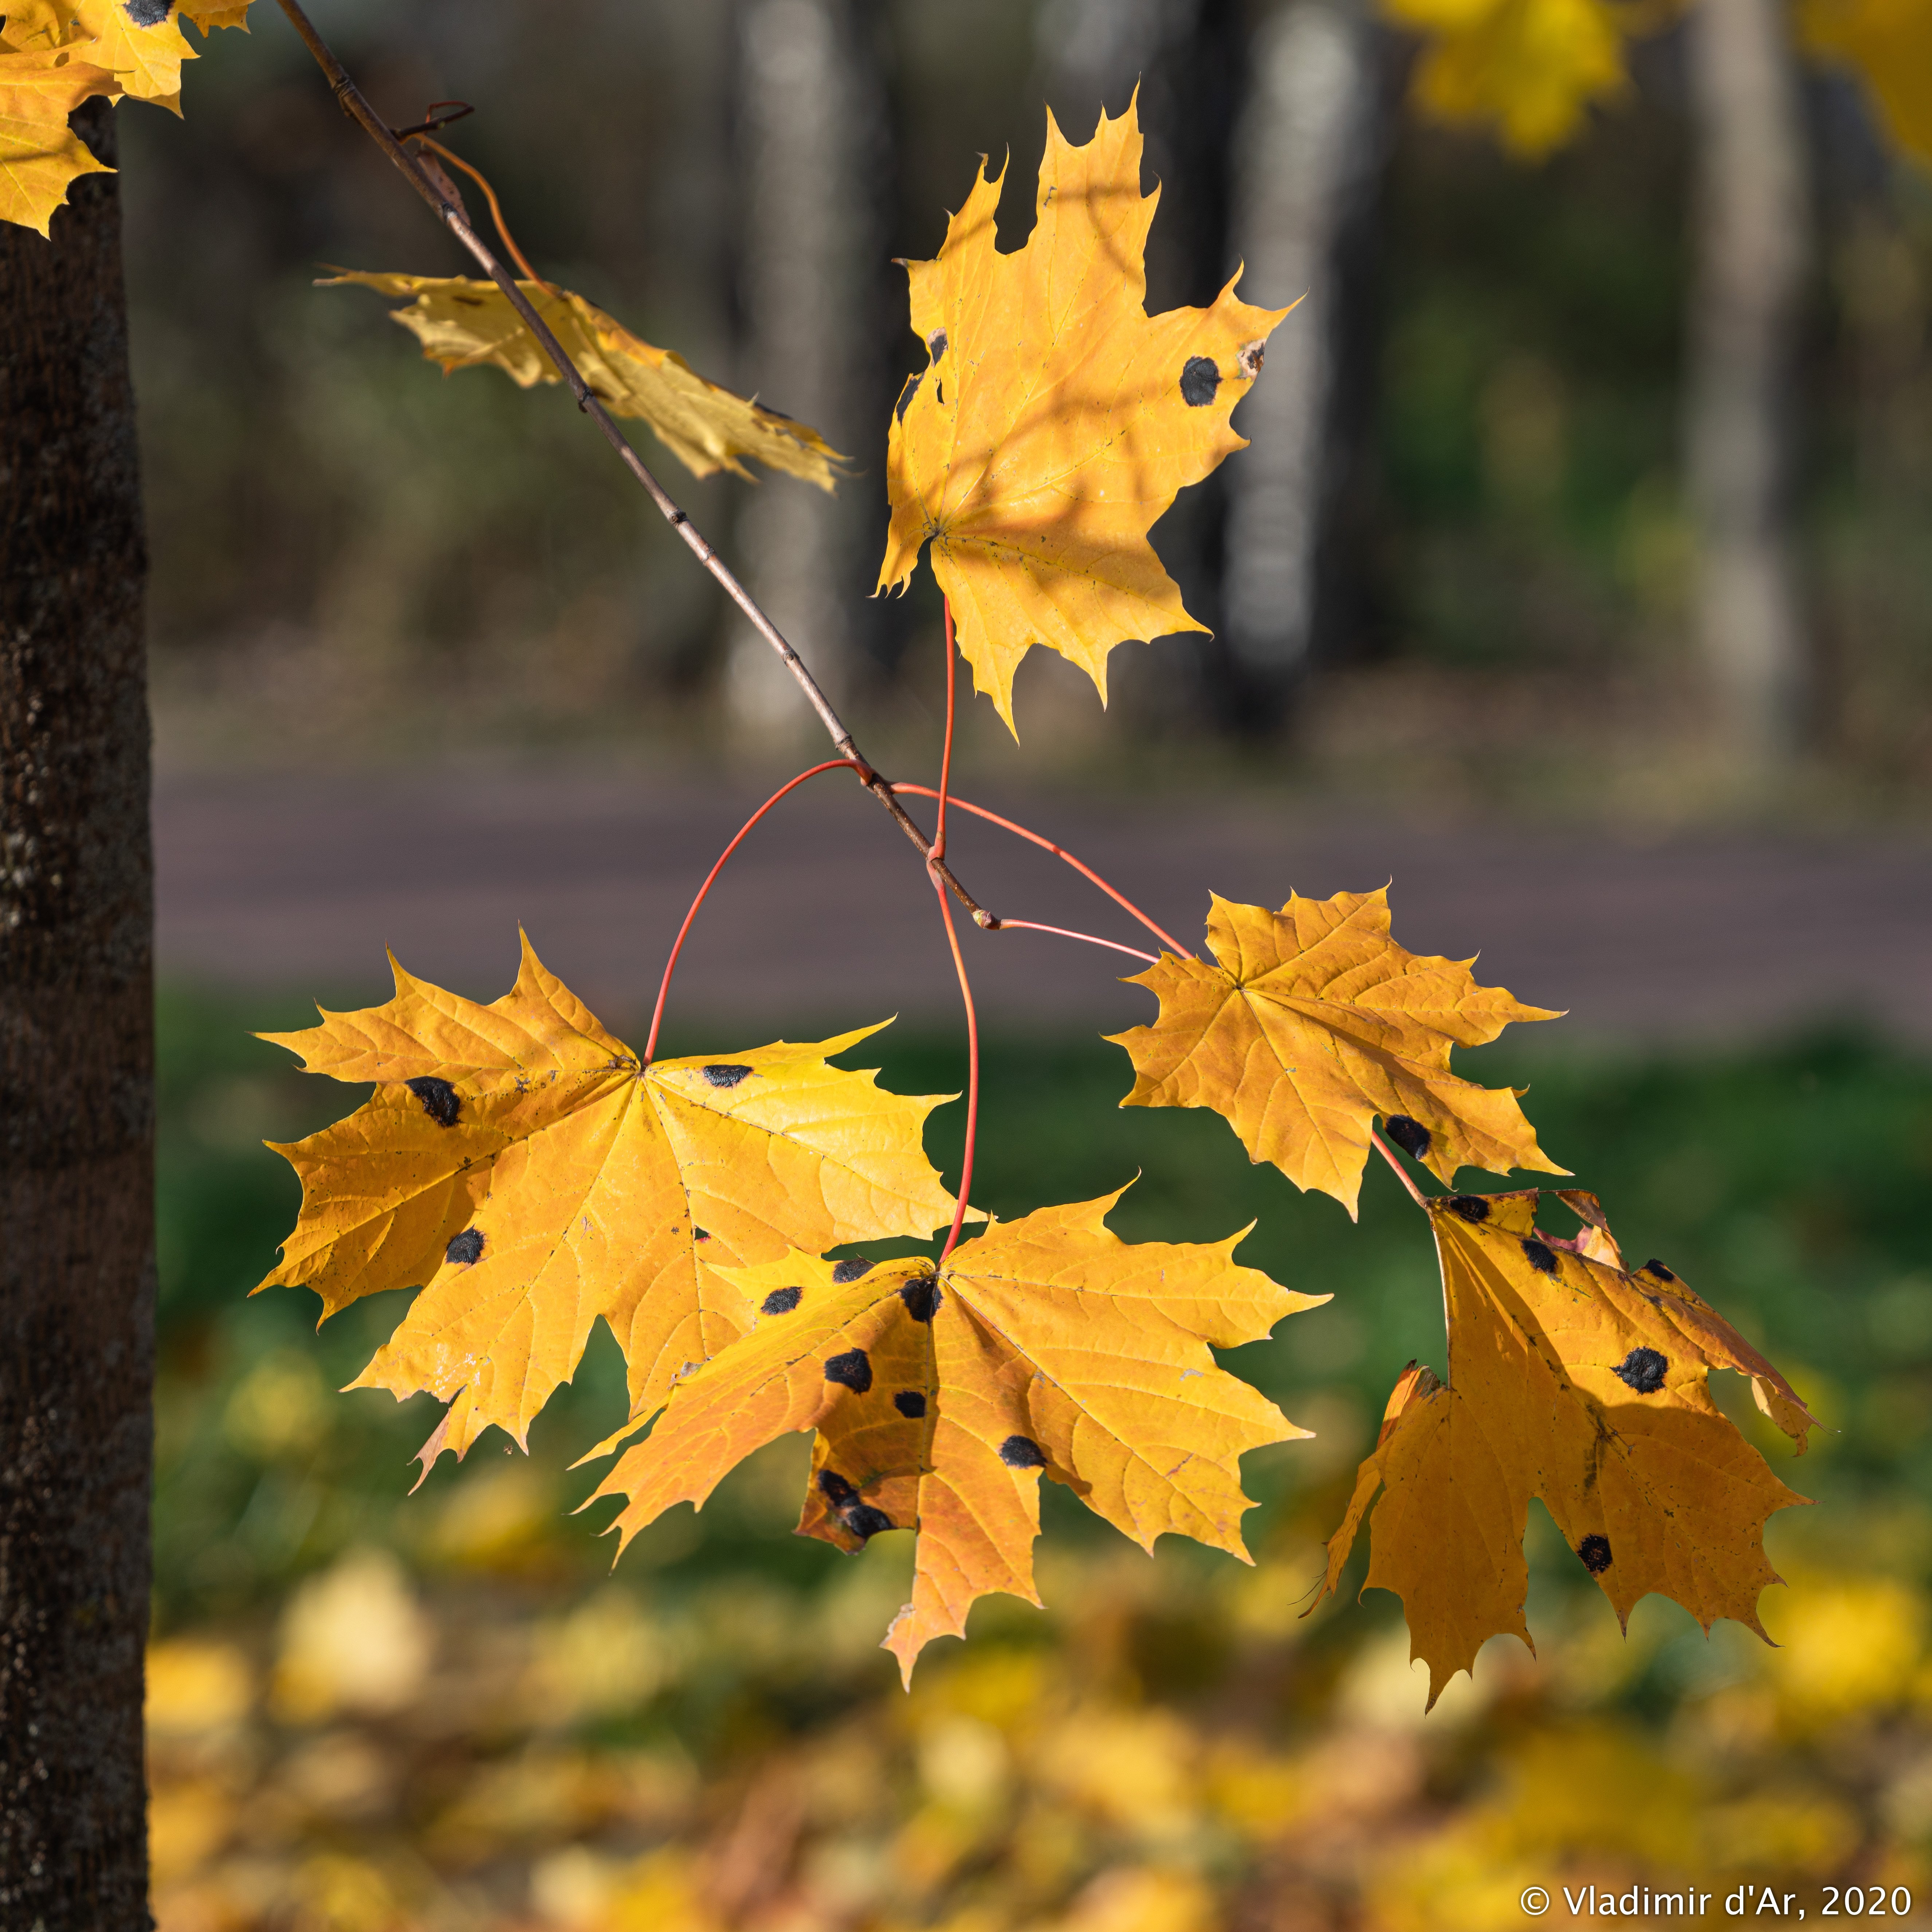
[[1753, 247], [77, 1211]]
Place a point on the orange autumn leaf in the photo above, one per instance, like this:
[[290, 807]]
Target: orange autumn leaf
[[1056, 421], [1048, 1346], [464, 323], [521, 1164], [1573, 1379], [1311, 1023]]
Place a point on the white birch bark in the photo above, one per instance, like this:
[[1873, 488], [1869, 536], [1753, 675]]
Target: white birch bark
[[1307, 158], [811, 124], [1752, 231]]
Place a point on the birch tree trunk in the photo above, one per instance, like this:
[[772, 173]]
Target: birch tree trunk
[[815, 151], [77, 1006], [1752, 229], [1308, 158]]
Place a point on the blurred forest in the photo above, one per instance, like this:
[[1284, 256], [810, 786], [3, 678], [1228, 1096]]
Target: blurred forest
[[1460, 559]]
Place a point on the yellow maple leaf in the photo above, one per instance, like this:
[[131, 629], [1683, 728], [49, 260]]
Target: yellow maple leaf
[[463, 323], [520, 1163], [34, 23], [1055, 420], [142, 45], [1313, 1022], [1575, 1380], [1889, 42], [209, 14], [1528, 69], [39, 155], [1048, 1346]]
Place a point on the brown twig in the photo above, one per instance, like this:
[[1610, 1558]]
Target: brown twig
[[356, 107]]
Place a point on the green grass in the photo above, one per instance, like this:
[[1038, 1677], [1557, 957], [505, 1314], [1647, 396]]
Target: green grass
[[1786, 1185]]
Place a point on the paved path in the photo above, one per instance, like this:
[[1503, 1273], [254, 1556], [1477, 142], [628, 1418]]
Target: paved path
[[823, 918]]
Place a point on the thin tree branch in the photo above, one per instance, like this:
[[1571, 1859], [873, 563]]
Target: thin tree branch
[[356, 107]]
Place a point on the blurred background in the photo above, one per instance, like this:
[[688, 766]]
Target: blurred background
[[1575, 581]]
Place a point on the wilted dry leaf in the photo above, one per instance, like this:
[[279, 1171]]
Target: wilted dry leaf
[[463, 323], [520, 1162], [1048, 1345], [1571, 1379], [1313, 1022], [1055, 421]]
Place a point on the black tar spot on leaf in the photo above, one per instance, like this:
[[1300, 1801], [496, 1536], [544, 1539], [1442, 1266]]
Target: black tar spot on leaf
[[1539, 1257], [906, 395], [440, 1100], [781, 1301], [465, 1248], [1595, 1552], [1658, 1268], [909, 1402], [921, 1298], [1022, 1452], [851, 1370], [837, 1490], [148, 13], [1644, 1369], [725, 1076], [1199, 379], [1471, 1207], [1411, 1136], [844, 1271], [864, 1521], [935, 344]]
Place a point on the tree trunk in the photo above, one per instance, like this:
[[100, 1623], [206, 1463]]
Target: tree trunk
[[815, 130], [1752, 238], [77, 1055], [1309, 158]]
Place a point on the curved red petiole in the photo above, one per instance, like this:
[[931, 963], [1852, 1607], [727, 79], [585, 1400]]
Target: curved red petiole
[[1402, 1174], [1059, 852], [711, 878], [1067, 932], [972, 1072], [946, 757]]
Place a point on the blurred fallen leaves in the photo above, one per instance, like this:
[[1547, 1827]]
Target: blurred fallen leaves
[[485, 1755]]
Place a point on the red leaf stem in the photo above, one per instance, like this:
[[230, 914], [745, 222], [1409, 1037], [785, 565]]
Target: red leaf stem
[[677, 947], [1059, 852]]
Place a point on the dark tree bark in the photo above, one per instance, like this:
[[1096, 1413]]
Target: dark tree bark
[[77, 1052]]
